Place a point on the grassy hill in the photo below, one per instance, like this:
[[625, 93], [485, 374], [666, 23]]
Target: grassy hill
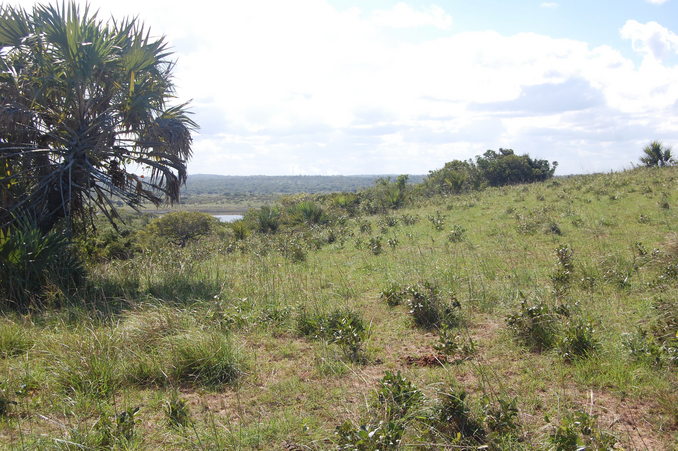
[[538, 316]]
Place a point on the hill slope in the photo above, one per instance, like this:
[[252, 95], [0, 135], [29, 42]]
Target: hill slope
[[527, 298]]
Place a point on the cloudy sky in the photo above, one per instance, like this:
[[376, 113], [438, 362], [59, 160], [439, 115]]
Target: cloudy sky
[[357, 87]]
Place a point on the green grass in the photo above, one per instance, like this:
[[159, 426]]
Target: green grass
[[220, 325]]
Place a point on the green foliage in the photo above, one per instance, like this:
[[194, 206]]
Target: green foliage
[[182, 227], [382, 435], [563, 274], [397, 396], [535, 326], [453, 343], [492, 168], [265, 219], [86, 100], [578, 340], [437, 220], [429, 308], [454, 419], [344, 327], [14, 339], [307, 212], [110, 431], [656, 154], [176, 411], [456, 234], [507, 168], [36, 266], [580, 430], [454, 178]]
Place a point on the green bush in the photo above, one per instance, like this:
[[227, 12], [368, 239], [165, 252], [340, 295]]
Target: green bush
[[346, 328], [182, 227], [577, 340], [535, 326], [34, 265], [428, 307]]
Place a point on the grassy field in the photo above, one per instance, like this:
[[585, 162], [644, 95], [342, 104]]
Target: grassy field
[[537, 316]]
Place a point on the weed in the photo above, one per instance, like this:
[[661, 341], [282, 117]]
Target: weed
[[451, 343], [375, 245], [501, 416], [206, 359], [393, 242], [393, 295], [397, 396], [453, 418], [177, 412], [382, 435], [580, 430], [578, 340], [343, 327], [437, 220], [536, 326], [409, 219], [429, 309], [456, 234]]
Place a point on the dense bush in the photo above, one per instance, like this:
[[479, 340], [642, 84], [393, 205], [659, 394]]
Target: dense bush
[[181, 227], [36, 265], [492, 168]]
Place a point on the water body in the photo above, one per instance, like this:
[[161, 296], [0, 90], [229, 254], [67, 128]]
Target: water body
[[228, 218]]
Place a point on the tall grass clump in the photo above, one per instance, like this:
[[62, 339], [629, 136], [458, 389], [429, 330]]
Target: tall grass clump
[[34, 265], [14, 339], [205, 358]]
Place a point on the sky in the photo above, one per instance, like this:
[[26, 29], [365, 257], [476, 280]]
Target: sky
[[387, 87]]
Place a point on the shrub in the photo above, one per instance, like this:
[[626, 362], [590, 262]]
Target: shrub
[[397, 397], [456, 234], [656, 154], [307, 212], [177, 412], [429, 309], [451, 343], [507, 168], [32, 263], [381, 435], [535, 326], [580, 430], [393, 295], [182, 227], [454, 419], [578, 340], [375, 245], [343, 327], [437, 220]]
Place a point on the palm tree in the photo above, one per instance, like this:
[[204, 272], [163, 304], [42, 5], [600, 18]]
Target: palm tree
[[656, 154], [84, 107]]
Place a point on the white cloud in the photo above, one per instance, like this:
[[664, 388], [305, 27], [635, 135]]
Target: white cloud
[[657, 2], [403, 15], [306, 87], [650, 38], [550, 5]]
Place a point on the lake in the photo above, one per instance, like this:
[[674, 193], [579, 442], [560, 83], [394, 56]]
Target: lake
[[228, 218]]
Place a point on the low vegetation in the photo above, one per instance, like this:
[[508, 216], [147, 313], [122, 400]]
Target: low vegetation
[[522, 316]]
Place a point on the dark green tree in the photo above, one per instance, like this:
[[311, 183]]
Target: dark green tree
[[85, 106], [656, 154]]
